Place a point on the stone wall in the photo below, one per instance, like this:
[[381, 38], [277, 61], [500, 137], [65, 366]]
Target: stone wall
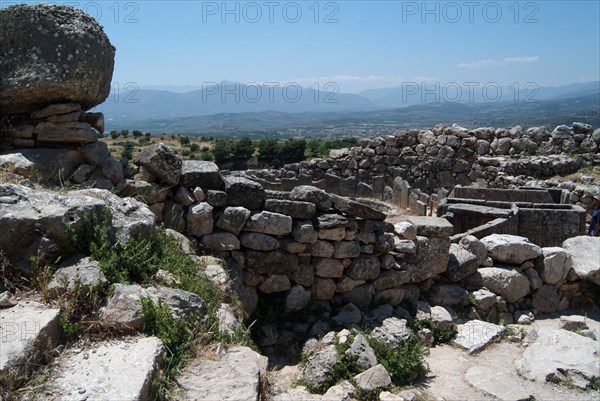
[[305, 243], [442, 157]]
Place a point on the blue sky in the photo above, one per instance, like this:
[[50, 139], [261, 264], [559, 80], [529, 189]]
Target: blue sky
[[355, 44]]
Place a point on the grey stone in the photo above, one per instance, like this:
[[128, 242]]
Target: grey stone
[[404, 246], [483, 299], [276, 262], [112, 169], [269, 223], [200, 173], [362, 353], [77, 270], [199, 219], [347, 315], [346, 249], [573, 323], [295, 209], [162, 162], [142, 191], [476, 335], [275, 283], [30, 83], [322, 249], [322, 289], [330, 220], [364, 267], [431, 258], [124, 305], [510, 249], [48, 164], [244, 192], [431, 226], [548, 299], [199, 194], [29, 331], [98, 370], [392, 296], [328, 268], [332, 234], [561, 356], [184, 196], [303, 231], [440, 319], [307, 193], [393, 332], [258, 241], [228, 322], [304, 275], [509, 284], [448, 295], [172, 216], [534, 278], [405, 230], [585, 257], [220, 242], [346, 284], [233, 219], [361, 296], [297, 298], [235, 374], [390, 279], [216, 198], [356, 209], [373, 378], [320, 365], [496, 383]]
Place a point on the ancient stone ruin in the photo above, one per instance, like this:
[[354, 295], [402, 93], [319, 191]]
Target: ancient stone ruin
[[417, 239]]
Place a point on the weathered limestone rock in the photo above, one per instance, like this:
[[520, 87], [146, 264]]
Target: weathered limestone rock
[[548, 299], [320, 365], [475, 335], [510, 249], [364, 267], [235, 375], [269, 223], [496, 384], [233, 219], [373, 378], [362, 353], [405, 230], [220, 242], [275, 283], [276, 262], [328, 268], [585, 256], [97, 372], [483, 299], [29, 331], [509, 284], [162, 162], [448, 295], [307, 193], [22, 209], [573, 323], [356, 209], [561, 356], [295, 209], [48, 164], [431, 226], [393, 332], [80, 72], [258, 241], [303, 231], [75, 132], [125, 307], [431, 258], [173, 216], [146, 192], [76, 270], [199, 220], [203, 174], [244, 192], [297, 298], [322, 289]]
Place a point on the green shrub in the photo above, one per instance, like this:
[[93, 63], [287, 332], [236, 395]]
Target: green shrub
[[404, 363]]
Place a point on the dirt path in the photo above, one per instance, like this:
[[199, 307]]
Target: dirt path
[[449, 364]]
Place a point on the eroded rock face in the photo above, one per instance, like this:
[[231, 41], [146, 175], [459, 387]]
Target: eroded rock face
[[52, 53]]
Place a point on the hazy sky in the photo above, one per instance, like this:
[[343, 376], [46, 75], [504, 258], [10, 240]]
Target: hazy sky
[[355, 44]]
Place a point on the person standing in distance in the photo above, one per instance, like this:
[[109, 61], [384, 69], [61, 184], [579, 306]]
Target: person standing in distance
[[594, 228]]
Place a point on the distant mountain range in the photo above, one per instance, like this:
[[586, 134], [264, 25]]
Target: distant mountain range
[[230, 106]]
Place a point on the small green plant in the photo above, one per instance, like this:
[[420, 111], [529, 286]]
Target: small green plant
[[404, 363]]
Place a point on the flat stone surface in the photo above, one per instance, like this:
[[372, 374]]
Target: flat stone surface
[[373, 378], [585, 257], [431, 226], [475, 335], [27, 331], [561, 356], [497, 384], [111, 370], [510, 249], [234, 375]]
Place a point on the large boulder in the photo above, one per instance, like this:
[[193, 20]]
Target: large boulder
[[50, 54], [585, 257], [162, 162], [244, 192], [511, 249], [509, 284]]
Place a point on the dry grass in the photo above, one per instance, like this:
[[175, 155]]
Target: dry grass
[[115, 146]]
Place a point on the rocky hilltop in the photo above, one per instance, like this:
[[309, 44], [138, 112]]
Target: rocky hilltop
[[325, 280]]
